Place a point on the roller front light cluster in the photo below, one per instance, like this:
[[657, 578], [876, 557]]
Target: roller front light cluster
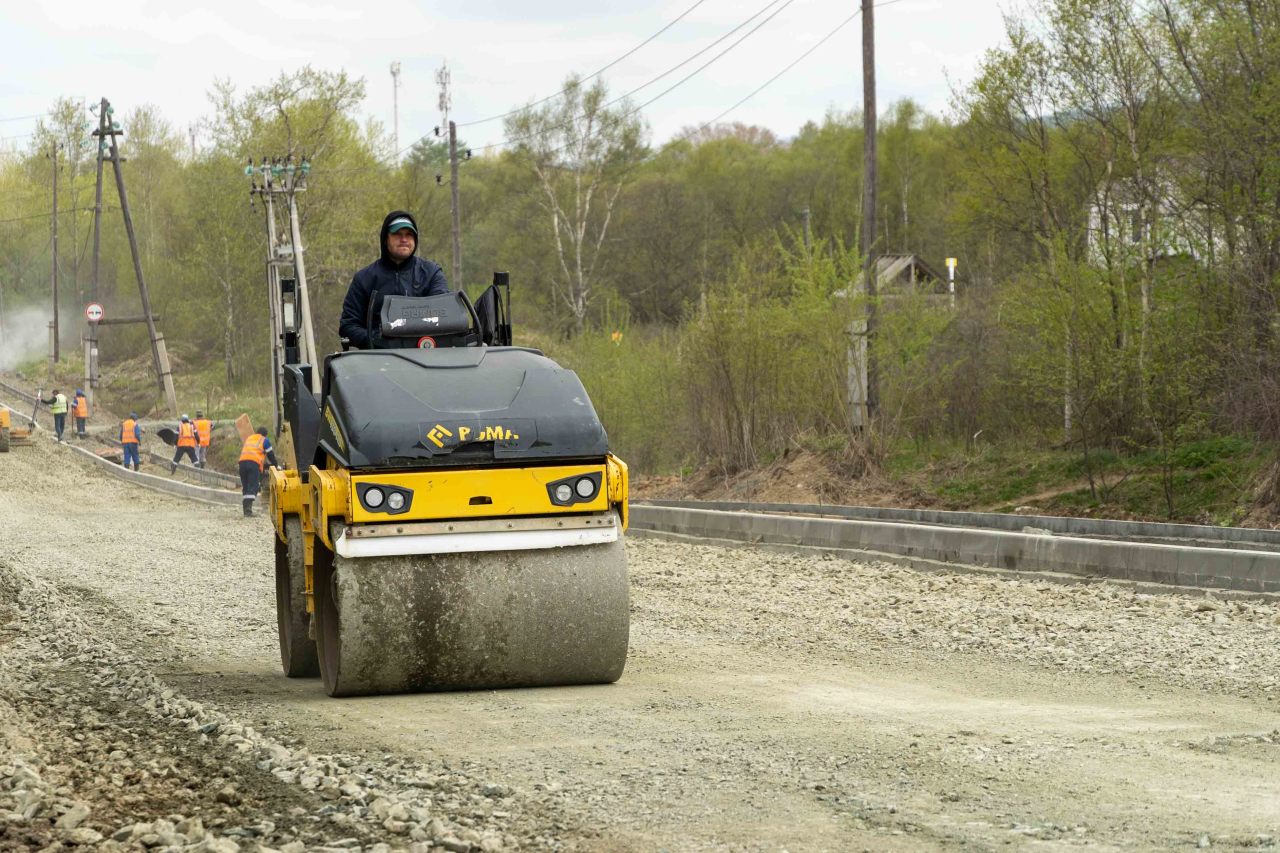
[[391, 500], [580, 488]]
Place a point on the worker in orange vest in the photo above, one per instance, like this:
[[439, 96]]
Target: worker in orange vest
[[204, 434], [80, 409], [130, 435], [186, 443], [254, 456]]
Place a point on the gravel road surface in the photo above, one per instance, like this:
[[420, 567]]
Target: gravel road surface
[[770, 702]]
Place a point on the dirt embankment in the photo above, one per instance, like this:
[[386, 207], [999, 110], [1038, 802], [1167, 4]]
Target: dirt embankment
[[800, 476]]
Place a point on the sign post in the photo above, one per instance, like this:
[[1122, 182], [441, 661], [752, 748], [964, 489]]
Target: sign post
[[93, 313], [951, 280]]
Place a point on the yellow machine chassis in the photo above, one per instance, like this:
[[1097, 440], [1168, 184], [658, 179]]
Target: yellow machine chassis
[[471, 495]]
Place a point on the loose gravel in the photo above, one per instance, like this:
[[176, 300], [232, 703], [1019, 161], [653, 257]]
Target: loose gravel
[[772, 701], [1226, 646]]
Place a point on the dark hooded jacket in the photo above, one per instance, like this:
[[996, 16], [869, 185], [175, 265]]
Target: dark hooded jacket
[[413, 276]]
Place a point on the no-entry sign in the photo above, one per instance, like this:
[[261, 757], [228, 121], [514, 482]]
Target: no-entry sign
[[93, 312]]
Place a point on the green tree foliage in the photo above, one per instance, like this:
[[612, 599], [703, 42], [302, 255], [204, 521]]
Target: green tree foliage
[[1108, 181]]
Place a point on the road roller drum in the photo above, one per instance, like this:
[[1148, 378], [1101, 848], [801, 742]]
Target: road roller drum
[[473, 620]]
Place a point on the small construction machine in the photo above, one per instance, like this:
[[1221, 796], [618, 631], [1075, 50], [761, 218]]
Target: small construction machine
[[9, 434], [449, 515]]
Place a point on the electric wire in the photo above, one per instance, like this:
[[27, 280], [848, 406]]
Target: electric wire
[[812, 48], [674, 86], [49, 213], [766, 84], [752, 94], [590, 76], [622, 97]]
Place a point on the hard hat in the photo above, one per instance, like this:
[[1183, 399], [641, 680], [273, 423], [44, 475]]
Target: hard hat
[[185, 418]]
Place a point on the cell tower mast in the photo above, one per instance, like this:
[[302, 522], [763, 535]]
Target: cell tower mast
[[395, 107]]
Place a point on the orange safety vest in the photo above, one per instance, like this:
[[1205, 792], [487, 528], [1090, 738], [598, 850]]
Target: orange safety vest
[[129, 433], [254, 451], [186, 434], [204, 429], [82, 407]]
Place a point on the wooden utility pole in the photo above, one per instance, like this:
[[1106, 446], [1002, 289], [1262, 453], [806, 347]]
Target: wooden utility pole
[[453, 200], [869, 266], [159, 355], [54, 154]]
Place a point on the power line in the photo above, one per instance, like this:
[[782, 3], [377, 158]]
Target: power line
[[590, 76], [49, 213], [678, 83], [766, 84], [758, 89], [676, 67], [740, 102], [24, 118]]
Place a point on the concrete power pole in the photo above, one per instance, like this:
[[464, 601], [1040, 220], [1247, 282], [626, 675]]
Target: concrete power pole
[[91, 357], [869, 266], [395, 108]]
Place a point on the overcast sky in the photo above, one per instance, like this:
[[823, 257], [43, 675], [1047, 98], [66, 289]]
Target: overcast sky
[[501, 53]]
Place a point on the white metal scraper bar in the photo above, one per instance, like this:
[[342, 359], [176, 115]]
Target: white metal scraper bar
[[461, 543]]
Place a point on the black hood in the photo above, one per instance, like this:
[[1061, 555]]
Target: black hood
[[382, 239], [455, 407]]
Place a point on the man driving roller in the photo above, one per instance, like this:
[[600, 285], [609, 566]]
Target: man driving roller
[[397, 272]]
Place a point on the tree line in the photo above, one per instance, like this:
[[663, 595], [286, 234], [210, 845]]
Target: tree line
[[1107, 181]]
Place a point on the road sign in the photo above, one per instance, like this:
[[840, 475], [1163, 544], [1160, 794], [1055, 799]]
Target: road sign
[[93, 312]]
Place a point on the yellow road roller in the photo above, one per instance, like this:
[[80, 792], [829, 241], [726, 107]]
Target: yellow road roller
[[450, 516]]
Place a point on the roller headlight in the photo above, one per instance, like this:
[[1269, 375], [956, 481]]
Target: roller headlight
[[395, 501], [564, 493], [585, 488], [373, 498]]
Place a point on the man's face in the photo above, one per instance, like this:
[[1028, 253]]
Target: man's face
[[400, 244]]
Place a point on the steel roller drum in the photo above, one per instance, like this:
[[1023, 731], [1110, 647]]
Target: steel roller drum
[[471, 621]]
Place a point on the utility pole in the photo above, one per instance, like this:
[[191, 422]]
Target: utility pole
[[446, 105], [869, 265], [453, 198], [293, 339], [159, 354], [54, 155], [395, 108], [91, 357], [805, 216], [191, 130]]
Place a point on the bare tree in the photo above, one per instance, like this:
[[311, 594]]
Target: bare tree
[[581, 147]]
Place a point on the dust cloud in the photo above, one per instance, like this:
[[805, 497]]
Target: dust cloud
[[24, 335]]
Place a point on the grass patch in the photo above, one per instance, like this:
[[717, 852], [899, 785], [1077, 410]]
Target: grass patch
[[1208, 481]]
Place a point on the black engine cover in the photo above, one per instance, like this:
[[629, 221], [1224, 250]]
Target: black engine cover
[[455, 407]]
